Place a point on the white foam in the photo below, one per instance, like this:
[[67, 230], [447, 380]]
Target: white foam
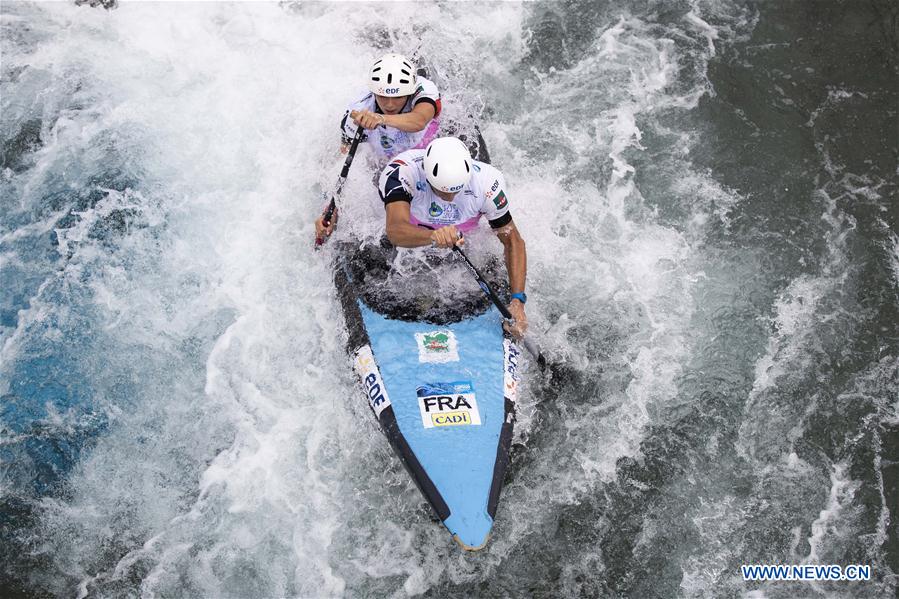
[[893, 249], [227, 114], [631, 276], [842, 490], [253, 453]]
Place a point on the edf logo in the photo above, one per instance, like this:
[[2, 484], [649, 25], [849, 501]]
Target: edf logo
[[374, 390]]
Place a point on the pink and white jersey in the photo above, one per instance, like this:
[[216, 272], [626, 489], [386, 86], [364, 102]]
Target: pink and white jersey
[[386, 142], [404, 180]]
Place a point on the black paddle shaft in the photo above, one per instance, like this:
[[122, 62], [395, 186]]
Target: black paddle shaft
[[329, 212], [482, 282], [529, 343]]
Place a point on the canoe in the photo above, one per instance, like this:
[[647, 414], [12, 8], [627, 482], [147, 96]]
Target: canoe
[[443, 391]]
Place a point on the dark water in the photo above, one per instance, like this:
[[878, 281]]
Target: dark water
[[709, 195]]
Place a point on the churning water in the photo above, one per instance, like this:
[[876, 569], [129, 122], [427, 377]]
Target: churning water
[[708, 190]]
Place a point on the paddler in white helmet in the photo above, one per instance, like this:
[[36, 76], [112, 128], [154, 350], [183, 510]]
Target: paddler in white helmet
[[399, 112], [431, 196]]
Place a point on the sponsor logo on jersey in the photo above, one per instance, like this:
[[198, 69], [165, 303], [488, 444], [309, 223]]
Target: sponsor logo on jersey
[[450, 215], [437, 346], [492, 191], [421, 185], [367, 370], [500, 201], [386, 142], [476, 168], [448, 404], [435, 210]]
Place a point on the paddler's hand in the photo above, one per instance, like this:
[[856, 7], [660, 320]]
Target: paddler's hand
[[446, 237], [321, 230], [367, 119], [521, 320]]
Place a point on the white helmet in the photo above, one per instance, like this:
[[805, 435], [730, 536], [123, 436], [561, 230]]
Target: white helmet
[[447, 164], [392, 76]]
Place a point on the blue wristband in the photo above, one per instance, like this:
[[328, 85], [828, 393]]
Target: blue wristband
[[522, 297]]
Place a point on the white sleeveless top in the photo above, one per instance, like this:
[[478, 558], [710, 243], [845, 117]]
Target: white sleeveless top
[[404, 180]]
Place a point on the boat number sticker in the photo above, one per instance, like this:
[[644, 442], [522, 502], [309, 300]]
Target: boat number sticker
[[437, 346], [448, 404], [368, 372]]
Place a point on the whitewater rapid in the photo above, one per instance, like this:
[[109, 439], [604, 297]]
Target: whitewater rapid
[[180, 417]]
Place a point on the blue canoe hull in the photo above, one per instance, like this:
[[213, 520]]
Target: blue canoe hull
[[445, 398]]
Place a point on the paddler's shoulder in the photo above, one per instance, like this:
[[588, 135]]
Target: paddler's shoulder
[[485, 174], [409, 158], [365, 100], [425, 86]]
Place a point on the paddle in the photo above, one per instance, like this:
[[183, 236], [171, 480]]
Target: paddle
[[328, 214], [529, 343]]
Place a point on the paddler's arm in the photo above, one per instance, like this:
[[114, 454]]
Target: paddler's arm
[[404, 234], [410, 122], [516, 256]]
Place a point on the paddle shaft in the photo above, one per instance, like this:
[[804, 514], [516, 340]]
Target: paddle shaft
[[529, 343], [328, 214]]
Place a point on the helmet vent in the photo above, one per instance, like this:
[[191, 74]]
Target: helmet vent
[[391, 75], [435, 169], [467, 170]]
